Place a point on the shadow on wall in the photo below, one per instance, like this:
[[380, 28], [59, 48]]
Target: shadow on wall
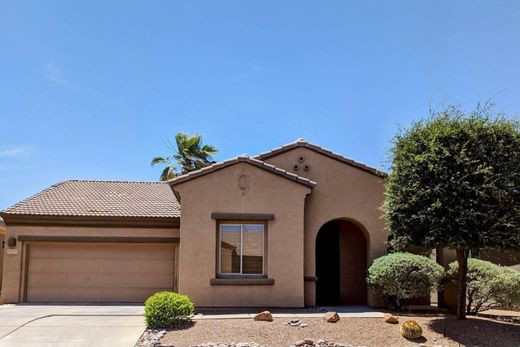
[[478, 332], [341, 264]]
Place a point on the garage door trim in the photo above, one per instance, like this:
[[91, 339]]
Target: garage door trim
[[104, 239], [25, 267]]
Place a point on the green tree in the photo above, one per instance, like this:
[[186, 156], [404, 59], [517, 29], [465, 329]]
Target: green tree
[[455, 183], [188, 155]]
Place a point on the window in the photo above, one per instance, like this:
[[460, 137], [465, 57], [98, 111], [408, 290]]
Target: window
[[241, 249]]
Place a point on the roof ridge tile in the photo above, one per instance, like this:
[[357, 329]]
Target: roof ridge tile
[[241, 159], [337, 156]]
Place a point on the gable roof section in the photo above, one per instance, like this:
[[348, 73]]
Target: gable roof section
[[301, 143], [85, 198], [243, 159]]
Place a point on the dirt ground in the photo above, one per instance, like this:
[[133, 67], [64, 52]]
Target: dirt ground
[[351, 331]]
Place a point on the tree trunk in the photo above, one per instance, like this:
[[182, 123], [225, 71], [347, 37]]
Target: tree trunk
[[462, 258]]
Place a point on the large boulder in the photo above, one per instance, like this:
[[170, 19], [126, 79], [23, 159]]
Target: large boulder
[[331, 317], [265, 316]]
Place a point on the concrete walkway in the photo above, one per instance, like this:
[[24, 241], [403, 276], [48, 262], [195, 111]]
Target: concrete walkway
[[70, 325], [317, 312]]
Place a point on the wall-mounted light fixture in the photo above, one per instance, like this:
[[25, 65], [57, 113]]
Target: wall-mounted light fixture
[[11, 242]]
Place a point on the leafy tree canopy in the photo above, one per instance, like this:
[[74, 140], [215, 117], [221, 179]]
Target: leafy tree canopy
[[455, 181]]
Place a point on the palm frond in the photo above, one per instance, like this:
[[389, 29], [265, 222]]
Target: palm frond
[[168, 173], [160, 160], [188, 154], [210, 149]]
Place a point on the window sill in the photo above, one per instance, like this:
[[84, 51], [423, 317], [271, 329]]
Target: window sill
[[243, 281]]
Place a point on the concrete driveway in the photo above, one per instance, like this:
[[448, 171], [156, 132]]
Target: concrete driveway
[[70, 325]]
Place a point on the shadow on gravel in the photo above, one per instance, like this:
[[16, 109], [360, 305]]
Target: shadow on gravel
[[183, 326], [478, 332]]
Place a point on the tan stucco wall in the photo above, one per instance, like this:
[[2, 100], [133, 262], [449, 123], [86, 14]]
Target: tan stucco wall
[[503, 257], [342, 192], [13, 265], [266, 193], [1, 259]]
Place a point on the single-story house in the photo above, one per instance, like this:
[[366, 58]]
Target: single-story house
[[2, 243], [295, 226]]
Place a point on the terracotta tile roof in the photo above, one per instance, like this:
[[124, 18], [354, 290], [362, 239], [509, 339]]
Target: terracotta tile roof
[[321, 150], [243, 159], [101, 199]]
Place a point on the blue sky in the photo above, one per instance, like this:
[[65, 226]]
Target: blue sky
[[93, 89]]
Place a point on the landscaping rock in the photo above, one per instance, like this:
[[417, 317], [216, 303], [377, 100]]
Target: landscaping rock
[[331, 317], [318, 343], [390, 318], [265, 316], [294, 322], [300, 343], [223, 344]]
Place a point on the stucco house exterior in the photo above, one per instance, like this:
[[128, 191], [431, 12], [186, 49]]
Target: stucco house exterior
[[292, 227]]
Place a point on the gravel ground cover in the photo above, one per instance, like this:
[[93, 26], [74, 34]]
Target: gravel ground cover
[[348, 331]]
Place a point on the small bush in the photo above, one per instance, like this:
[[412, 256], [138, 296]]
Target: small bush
[[489, 285], [167, 309], [509, 294], [399, 276]]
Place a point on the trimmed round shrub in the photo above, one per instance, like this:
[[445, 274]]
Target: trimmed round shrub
[[509, 294], [489, 285], [167, 309], [399, 276], [411, 329]]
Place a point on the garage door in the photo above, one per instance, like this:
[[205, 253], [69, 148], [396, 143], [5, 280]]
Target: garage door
[[96, 272]]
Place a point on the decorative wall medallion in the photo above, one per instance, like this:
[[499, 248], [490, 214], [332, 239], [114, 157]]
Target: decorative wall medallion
[[243, 181]]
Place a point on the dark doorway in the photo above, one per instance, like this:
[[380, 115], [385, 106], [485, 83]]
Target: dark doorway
[[341, 264]]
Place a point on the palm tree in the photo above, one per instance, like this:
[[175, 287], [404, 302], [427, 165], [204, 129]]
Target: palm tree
[[190, 154]]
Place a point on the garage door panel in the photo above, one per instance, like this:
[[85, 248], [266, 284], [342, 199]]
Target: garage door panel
[[45, 265], [128, 295], [164, 266], [64, 272], [42, 294], [163, 282]]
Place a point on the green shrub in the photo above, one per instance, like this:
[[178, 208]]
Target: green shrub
[[399, 276], [167, 309], [509, 294], [489, 285]]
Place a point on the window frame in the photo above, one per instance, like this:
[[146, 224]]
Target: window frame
[[241, 223]]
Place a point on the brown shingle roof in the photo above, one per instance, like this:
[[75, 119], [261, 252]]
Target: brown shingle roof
[[244, 159], [321, 150], [101, 199]]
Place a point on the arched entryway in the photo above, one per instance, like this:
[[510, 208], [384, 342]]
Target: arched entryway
[[341, 264]]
